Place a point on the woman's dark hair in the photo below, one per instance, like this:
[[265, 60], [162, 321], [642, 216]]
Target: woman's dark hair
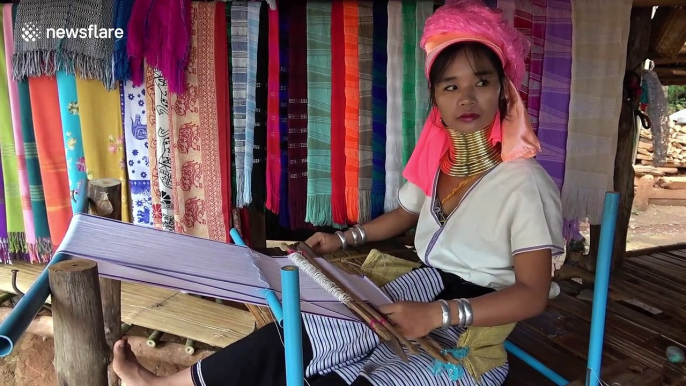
[[446, 57]]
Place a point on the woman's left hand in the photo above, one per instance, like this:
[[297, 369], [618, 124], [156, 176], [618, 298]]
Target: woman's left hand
[[413, 319]]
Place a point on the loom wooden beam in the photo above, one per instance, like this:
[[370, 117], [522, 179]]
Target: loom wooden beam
[[104, 195], [637, 52], [668, 32], [681, 58], [81, 351]]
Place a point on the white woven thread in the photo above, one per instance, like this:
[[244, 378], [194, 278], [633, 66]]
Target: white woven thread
[[304, 265]]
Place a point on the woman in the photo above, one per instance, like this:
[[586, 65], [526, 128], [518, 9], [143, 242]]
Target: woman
[[487, 220]]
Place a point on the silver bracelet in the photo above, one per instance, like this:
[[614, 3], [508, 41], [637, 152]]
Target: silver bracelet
[[469, 315], [363, 234], [460, 313], [353, 231], [344, 243], [445, 309]]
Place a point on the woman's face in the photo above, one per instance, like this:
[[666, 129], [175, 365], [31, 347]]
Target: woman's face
[[467, 94]]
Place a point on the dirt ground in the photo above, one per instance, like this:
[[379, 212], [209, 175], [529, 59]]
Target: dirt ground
[[31, 364]]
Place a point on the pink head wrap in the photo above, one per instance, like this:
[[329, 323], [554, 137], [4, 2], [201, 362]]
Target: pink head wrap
[[472, 21]]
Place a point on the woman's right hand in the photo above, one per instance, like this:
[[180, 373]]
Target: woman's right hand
[[323, 243]]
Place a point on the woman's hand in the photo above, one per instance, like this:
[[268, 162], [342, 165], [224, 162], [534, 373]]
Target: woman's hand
[[323, 243], [414, 319]]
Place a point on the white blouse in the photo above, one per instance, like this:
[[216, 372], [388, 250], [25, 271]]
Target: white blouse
[[514, 208]]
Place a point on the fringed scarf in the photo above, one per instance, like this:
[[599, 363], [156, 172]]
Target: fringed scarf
[[156, 194], [223, 93], [197, 196], [250, 100], [258, 183], [159, 36], [231, 173], [394, 89], [284, 64], [4, 257], [71, 131], [239, 84], [37, 54], [365, 54], [297, 115], [379, 107], [165, 161], [411, 130], [122, 14], [51, 154], [273, 121], [352, 110], [421, 84], [338, 158], [319, 114], [137, 156], [535, 69]]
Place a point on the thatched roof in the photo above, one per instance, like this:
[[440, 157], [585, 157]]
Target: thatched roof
[[668, 44]]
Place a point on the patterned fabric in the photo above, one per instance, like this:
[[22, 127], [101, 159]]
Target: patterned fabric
[[596, 99], [411, 131], [319, 114], [284, 64], [421, 84], [379, 107], [352, 349], [71, 130], [122, 14], [239, 84], [297, 115], [258, 185], [223, 101], [273, 106], [352, 110], [102, 133], [365, 55], [338, 132], [555, 88], [196, 156], [394, 90], [250, 100], [12, 228], [137, 157], [535, 68], [163, 173], [156, 196], [45, 105]]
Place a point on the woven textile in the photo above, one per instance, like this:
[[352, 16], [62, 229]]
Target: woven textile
[[365, 55], [410, 130], [380, 25], [284, 65], [394, 90], [338, 132], [239, 85], [352, 109]]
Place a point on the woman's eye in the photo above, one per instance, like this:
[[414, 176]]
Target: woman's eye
[[482, 83], [451, 88]]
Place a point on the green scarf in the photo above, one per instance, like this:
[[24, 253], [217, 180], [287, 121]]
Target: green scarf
[[410, 129]]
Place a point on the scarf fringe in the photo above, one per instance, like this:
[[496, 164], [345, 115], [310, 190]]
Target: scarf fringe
[[351, 196], [580, 203], [296, 206], [121, 64], [338, 212], [240, 202], [365, 206], [4, 256], [319, 210], [38, 63], [377, 204], [41, 251]]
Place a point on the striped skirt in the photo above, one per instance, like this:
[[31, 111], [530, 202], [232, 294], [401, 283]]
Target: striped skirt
[[338, 352]]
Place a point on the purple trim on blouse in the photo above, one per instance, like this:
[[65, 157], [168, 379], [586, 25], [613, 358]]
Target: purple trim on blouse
[[403, 206], [556, 250]]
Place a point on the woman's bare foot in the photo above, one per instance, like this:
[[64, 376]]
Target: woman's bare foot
[[127, 367]]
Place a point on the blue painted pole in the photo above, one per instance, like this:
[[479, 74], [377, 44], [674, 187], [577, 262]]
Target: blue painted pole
[[236, 237], [535, 364], [31, 303], [292, 325], [602, 282]]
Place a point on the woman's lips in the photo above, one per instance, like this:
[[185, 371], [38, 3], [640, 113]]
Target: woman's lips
[[469, 117]]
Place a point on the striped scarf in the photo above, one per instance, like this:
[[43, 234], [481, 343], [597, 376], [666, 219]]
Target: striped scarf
[[338, 159], [284, 61], [258, 183], [410, 130], [250, 100], [366, 50], [273, 105], [352, 109], [380, 25], [239, 82], [319, 114], [394, 89]]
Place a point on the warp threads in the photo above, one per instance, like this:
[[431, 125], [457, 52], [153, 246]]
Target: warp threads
[[303, 264]]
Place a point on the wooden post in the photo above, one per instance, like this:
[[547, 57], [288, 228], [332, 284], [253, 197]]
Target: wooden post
[[643, 192], [637, 51], [81, 352], [105, 197]]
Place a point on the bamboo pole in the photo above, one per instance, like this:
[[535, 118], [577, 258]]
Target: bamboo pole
[[81, 351]]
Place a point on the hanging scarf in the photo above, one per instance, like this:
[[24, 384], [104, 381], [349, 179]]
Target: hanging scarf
[[555, 89], [596, 104], [284, 60], [137, 156], [253, 37], [421, 90], [352, 110], [71, 131], [164, 163], [90, 57], [18, 143], [379, 108], [4, 257], [338, 159], [122, 14], [102, 133], [410, 130], [239, 84], [319, 114], [223, 92], [273, 136], [535, 65], [365, 54], [155, 193], [231, 173], [394, 89], [159, 36], [258, 183], [199, 208], [297, 115], [51, 154]]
